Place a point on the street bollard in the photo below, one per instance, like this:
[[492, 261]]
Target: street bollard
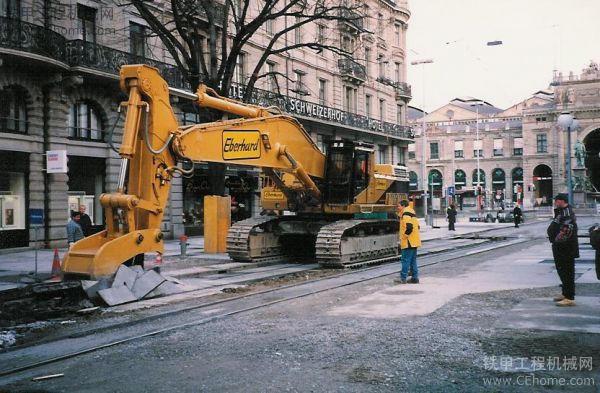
[[183, 245]]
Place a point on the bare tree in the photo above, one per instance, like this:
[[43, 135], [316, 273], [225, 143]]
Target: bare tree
[[206, 37]]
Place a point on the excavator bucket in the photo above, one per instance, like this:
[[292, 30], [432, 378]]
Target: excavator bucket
[[99, 256]]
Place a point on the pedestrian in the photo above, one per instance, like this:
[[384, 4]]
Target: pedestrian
[[562, 233], [410, 240], [451, 213], [595, 243], [518, 215], [85, 222], [74, 231]]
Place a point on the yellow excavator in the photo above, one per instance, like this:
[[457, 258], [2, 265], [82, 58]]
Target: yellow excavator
[[341, 204]]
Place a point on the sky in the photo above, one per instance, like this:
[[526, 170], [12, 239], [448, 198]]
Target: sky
[[538, 36]]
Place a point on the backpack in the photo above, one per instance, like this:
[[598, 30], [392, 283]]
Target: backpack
[[594, 232]]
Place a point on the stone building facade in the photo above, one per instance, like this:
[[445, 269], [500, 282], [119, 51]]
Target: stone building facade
[[522, 151], [59, 91]]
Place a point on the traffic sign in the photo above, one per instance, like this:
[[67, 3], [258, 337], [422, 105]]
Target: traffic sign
[[36, 216], [451, 191]]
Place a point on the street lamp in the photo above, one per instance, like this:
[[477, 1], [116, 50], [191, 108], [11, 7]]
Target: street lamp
[[424, 141], [568, 122], [477, 104]]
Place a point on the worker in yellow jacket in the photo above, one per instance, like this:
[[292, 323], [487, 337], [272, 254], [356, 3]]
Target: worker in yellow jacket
[[410, 240]]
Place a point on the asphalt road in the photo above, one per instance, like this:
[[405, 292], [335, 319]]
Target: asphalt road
[[444, 335]]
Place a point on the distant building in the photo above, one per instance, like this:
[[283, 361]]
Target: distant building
[[520, 151]]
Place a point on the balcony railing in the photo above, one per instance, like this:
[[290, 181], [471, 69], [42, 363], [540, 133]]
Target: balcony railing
[[295, 106], [352, 19], [103, 58], [403, 90], [352, 70], [27, 37]]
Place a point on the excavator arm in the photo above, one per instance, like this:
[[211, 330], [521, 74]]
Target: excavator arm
[[153, 143]]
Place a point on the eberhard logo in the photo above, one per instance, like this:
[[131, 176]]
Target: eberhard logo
[[273, 195], [239, 145]]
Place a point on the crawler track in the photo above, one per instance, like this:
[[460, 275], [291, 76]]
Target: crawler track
[[20, 359], [344, 243]]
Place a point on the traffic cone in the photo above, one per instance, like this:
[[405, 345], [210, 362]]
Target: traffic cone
[[56, 274]]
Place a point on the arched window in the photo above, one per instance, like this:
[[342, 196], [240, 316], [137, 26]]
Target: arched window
[[13, 110], [479, 180], [413, 181], [460, 179], [84, 121], [517, 183], [436, 181], [498, 179]]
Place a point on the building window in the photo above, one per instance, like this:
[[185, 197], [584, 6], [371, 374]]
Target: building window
[[460, 179], [479, 178], [498, 147], [137, 39], [397, 72], [398, 34], [272, 78], [240, 69], [321, 34], [269, 24], [383, 154], [478, 148], [10, 9], [298, 31], [86, 23], [518, 147], [368, 105], [380, 24], [434, 151], [411, 152], [322, 91], [401, 155], [413, 181], [300, 87], [382, 110], [399, 116], [350, 99], [381, 64], [84, 122], [458, 149], [542, 143], [13, 110], [322, 142], [367, 62]]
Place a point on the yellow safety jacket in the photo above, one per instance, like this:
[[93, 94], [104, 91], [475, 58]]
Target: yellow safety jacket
[[409, 229]]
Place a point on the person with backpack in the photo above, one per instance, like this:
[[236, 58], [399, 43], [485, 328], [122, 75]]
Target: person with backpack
[[562, 233], [594, 232]]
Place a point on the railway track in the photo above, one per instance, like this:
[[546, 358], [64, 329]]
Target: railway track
[[39, 355]]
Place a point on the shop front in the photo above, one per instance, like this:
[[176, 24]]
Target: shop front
[[85, 184], [13, 199], [240, 185]]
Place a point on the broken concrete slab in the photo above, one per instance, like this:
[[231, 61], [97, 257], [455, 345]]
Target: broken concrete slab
[[165, 289], [125, 276], [147, 283], [117, 295], [91, 288], [138, 270]]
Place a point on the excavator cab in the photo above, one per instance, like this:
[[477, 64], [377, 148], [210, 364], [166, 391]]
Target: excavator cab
[[347, 171]]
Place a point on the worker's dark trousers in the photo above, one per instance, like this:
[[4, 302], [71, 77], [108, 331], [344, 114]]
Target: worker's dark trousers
[[566, 272]]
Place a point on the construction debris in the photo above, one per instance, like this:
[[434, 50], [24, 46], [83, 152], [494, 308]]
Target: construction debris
[[131, 284], [44, 377]]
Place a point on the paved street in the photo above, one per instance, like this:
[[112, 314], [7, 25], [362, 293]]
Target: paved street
[[481, 322]]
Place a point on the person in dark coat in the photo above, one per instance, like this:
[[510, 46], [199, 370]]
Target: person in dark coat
[[85, 222], [562, 233], [451, 212], [518, 215]]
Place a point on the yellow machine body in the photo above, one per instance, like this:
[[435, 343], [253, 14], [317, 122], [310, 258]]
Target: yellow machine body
[[153, 142]]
